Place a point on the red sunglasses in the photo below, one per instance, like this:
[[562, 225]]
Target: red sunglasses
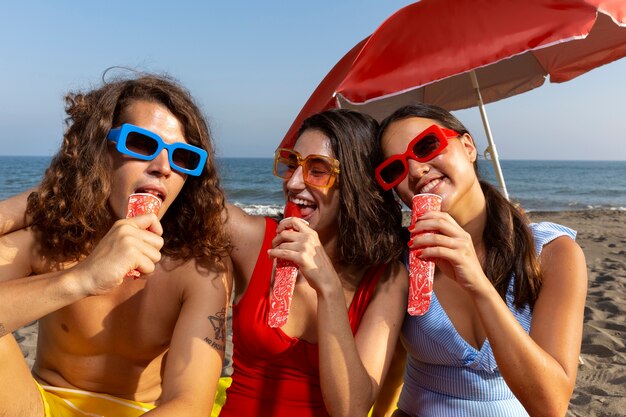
[[424, 147]]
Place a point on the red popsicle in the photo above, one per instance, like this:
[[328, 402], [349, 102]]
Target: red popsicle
[[284, 281], [141, 203], [421, 272]]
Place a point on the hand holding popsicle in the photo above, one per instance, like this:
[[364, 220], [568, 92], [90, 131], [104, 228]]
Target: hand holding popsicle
[[141, 203], [129, 244], [453, 249]]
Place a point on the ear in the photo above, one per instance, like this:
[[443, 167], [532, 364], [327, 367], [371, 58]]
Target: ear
[[470, 148]]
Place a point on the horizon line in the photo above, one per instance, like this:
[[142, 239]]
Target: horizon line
[[271, 157]]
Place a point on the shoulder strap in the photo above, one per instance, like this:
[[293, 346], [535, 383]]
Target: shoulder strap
[[260, 279], [363, 295]]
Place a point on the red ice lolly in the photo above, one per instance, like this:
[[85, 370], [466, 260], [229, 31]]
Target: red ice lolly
[[421, 272], [284, 281], [141, 203]]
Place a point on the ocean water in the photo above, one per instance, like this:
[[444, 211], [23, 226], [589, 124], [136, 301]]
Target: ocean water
[[536, 185]]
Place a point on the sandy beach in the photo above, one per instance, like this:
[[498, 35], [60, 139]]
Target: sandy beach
[[601, 384]]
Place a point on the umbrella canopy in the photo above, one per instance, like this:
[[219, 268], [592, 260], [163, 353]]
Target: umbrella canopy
[[462, 53]]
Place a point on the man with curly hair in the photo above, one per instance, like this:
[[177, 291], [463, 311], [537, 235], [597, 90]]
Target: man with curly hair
[[111, 343]]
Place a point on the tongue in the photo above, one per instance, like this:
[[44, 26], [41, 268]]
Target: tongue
[[292, 210]]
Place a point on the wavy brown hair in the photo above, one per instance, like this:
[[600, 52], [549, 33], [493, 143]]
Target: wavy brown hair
[[369, 219], [70, 210], [509, 243]]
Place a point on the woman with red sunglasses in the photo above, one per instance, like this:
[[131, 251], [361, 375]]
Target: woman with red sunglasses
[[332, 354], [503, 332]]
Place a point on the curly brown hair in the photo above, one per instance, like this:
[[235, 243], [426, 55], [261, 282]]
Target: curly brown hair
[[507, 236], [369, 220], [70, 210]]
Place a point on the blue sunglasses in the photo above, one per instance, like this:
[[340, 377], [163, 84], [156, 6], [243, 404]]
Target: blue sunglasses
[[143, 144]]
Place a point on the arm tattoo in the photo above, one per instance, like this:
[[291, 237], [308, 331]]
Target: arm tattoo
[[218, 322], [3, 330]]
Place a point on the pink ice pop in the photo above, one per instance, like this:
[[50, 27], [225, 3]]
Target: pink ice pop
[[421, 272], [284, 281], [141, 203]]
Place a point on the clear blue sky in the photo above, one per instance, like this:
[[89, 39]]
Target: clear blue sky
[[251, 65]]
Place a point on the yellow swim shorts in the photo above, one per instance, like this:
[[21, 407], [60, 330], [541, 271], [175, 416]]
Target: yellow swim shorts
[[220, 395], [65, 402]]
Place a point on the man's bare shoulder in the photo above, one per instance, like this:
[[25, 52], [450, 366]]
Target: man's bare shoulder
[[245, 232], [197, 273], [195, 267], [240, 224], [20, 251]]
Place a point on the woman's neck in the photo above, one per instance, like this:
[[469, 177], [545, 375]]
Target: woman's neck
[[471, 214]]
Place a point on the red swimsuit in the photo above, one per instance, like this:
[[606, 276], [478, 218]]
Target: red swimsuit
[[274, 374]]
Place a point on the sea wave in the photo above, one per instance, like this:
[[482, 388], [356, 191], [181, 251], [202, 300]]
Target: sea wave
[[271, 210], [274, 210]]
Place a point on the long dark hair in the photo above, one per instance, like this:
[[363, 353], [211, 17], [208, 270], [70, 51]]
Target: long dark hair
[[508, 240], [369, 229], [70, 210]]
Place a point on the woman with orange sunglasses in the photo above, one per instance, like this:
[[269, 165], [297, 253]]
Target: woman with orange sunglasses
[[331, 355], [503, 332]]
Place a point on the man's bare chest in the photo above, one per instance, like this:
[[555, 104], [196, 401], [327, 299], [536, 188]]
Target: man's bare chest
[[135, 319]]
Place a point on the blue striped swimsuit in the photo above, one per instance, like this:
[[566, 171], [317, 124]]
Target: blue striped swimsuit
[[445, 376]]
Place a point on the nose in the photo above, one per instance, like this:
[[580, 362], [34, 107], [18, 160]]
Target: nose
[[296, 182], [417, 169], [160, 165]]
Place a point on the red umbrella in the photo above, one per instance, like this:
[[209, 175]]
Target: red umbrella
[[462, 53]]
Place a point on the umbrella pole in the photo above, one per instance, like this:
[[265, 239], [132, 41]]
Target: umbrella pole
[[492, 146]]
